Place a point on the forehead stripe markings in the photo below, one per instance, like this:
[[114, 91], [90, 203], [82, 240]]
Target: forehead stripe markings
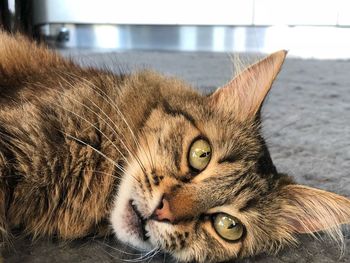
[[249, 204], [178, 155], [174, 112]]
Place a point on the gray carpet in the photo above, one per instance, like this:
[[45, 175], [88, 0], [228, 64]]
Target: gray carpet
[[307, 126]]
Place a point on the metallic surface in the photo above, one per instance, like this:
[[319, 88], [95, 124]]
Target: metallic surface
[[301, 41], [312, 28]]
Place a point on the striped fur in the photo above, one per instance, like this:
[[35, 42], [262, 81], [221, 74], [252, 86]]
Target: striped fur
[[77, 145]]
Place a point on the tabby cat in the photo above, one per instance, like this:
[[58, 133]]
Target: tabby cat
[[165, 166]]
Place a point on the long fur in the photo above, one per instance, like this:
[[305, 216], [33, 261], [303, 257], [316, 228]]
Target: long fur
[[79, 145]]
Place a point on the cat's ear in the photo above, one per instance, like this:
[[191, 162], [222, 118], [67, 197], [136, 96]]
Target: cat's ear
[[308, 210], [244, 95]]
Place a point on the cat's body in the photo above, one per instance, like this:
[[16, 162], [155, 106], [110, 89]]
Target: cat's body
[[55, 183], [82, 148]]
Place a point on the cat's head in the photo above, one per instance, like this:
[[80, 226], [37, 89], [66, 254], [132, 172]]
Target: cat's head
[[202, 185]]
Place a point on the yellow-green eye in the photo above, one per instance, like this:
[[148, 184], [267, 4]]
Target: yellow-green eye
[[228, 227], [200, 154]]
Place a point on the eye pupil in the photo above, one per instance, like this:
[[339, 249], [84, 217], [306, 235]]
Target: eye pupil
[[231, 226], [203, 155]]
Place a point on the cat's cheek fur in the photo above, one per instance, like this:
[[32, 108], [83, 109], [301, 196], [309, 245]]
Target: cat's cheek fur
[[161, 234], [120, 218], [165, 235], [130, 190]]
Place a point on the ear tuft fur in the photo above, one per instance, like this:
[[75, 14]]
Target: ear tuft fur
[[244, 95], [309, 210]]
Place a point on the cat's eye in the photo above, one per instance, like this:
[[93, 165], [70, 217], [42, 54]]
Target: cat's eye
[[199, 154], [228, 227]]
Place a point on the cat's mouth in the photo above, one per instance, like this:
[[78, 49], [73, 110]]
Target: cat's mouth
[[139, 222]]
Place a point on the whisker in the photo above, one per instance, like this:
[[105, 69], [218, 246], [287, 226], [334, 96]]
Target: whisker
[[119, 250], [152, 257], [149, 154], [113, 130], [114, 163], [111, 103], [144, 257], [107, 252], [116, 126], [109, 174], [93, 148], [93, 125]]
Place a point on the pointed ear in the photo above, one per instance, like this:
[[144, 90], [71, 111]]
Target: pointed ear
[[244, 95], [309, 210]]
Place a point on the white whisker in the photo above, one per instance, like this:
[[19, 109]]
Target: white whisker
[[115, 106], [99, 152], [113, 130], [143, 257], [99, 172], [93, 125], [119, 250], [116, 126]]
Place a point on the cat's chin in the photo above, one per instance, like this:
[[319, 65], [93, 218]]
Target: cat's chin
[[129, 226]]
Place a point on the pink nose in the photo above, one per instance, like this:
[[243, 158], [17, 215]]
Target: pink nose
[[163, 213]]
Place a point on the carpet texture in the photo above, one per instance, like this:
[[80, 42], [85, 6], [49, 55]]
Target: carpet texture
[[306, 124]]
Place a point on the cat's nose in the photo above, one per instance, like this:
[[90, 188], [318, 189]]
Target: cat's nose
[[163, 212]]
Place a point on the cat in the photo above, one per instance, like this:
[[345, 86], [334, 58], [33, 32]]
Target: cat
[[147, 158]]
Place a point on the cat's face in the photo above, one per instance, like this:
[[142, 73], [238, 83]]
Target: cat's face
[[202, 186], [228, 181]]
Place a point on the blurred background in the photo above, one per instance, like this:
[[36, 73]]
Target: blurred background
[[307, 28]]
